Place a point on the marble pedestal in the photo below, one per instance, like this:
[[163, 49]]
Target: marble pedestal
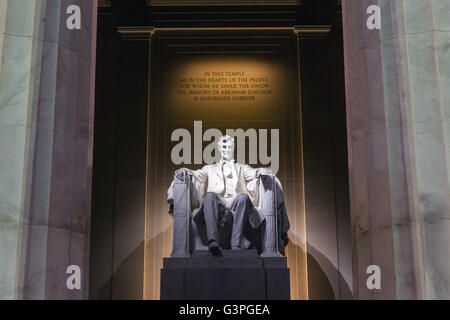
[[236, 275]]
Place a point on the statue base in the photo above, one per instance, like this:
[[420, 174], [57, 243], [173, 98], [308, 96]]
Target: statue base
[[236, 275]]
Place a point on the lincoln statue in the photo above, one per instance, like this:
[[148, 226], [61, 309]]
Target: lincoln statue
[[224, 197]]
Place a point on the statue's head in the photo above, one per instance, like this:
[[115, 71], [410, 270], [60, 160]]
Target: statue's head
[[226, 147]]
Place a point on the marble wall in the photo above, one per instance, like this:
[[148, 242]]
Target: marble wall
[[46, 129], [397, 88]]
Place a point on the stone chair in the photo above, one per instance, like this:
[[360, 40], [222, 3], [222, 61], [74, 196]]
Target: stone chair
[[186, 237]]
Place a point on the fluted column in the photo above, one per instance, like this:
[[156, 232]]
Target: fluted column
[[398, 103], [46, 130]]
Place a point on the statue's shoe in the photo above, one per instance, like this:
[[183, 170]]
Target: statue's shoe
[[214, 247], [236, 248]]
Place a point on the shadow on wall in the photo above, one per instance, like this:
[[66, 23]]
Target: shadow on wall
[[320, 270], [325, 282], [127, 280]]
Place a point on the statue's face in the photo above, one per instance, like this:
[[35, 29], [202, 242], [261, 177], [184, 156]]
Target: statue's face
[[226, 147]]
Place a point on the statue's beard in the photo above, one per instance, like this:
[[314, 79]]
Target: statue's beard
[[226, 155]]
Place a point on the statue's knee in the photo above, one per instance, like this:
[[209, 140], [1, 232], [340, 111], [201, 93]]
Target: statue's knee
[[243, 198], [210, 196]]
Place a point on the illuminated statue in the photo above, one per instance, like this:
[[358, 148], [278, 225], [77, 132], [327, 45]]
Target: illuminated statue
[[234, 206]]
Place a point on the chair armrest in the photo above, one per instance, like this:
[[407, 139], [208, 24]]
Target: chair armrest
[[181, 215], [268, 208], [181, 192], [267, 192]]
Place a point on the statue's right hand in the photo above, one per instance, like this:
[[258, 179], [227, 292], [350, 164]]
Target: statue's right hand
[[183, 171]]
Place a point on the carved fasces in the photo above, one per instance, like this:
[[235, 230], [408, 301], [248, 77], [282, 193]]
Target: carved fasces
[[268, 207], [182, 209]]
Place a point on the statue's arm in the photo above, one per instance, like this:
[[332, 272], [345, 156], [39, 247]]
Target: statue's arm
[[201, 175], [254, 173]]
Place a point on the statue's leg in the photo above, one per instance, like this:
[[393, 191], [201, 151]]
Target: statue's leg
[[241, 206], [225, 227], [211, 215]]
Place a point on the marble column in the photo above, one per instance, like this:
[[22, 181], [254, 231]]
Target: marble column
[[47, 75], [398, 120]]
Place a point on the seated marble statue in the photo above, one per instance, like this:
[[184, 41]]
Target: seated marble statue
[[225, 195]]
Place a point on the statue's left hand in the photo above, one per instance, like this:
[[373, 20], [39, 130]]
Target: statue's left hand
[[264, 172]]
